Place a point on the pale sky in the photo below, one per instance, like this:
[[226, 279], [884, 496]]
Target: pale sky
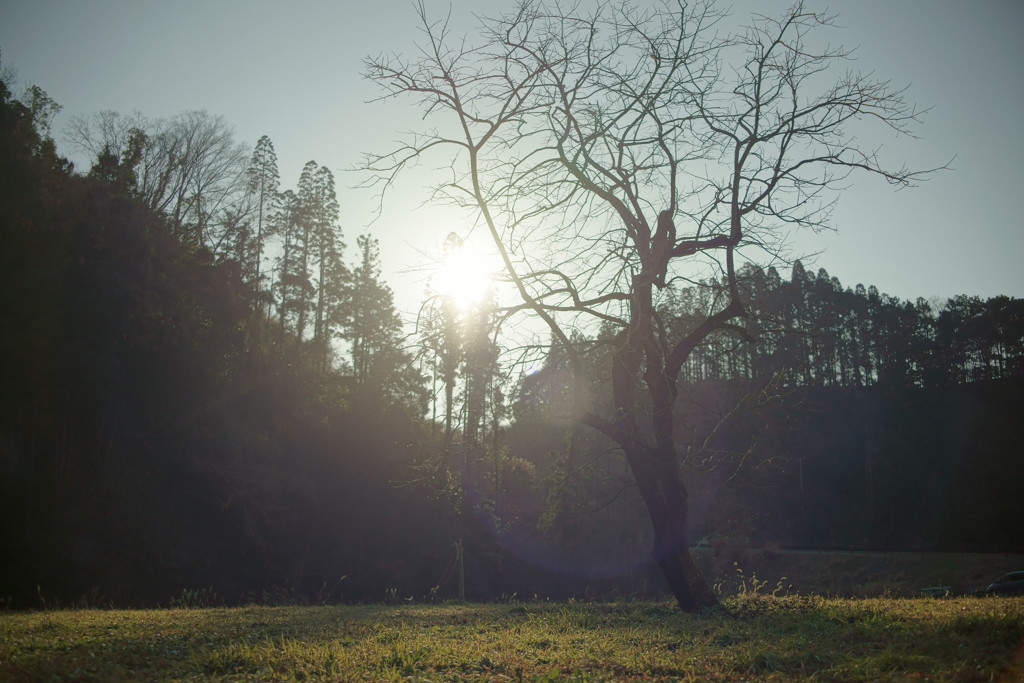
[[291, 70]]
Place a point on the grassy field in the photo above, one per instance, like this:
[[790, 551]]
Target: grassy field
[[765, 638]]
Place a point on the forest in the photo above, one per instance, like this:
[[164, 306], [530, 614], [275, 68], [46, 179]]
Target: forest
[[205, 389]]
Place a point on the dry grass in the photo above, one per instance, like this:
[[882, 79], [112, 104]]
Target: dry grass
[[765, 638]]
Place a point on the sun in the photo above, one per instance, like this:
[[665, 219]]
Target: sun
[[465, 276]]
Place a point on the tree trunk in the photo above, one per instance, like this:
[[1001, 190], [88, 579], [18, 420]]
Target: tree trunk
[[661, 486]]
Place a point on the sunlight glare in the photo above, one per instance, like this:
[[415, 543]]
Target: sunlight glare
[[465, 277]]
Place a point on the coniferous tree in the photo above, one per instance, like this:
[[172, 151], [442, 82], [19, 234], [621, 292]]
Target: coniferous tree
[[313, 277], [381, 367], [479, 366], [440, 339], [264, 181], [332, 274], [307, 198], [443, 341], [289, 290]]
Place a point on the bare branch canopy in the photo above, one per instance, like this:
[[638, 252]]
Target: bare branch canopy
[[613, 149]]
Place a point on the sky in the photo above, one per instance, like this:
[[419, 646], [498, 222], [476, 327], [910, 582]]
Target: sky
[[291, 70]]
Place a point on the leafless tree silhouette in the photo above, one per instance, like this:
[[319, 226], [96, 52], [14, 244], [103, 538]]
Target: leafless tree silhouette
[[610, 152]]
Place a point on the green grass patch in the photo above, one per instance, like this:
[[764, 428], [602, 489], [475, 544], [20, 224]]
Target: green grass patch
[[765, 638]]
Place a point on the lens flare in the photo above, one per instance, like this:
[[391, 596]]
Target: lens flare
[[465, 277]]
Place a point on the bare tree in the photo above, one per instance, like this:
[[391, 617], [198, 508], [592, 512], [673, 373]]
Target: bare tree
[[103, 132], [191, 169], [612, 152]]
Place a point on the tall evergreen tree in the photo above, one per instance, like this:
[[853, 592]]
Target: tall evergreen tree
[[307, 197], [373, 329], [264, 182], [289, 290], [313, 278], [331, 272]]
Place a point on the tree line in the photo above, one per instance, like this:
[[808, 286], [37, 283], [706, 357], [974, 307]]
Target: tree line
[[287, 245], [853, 337]]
